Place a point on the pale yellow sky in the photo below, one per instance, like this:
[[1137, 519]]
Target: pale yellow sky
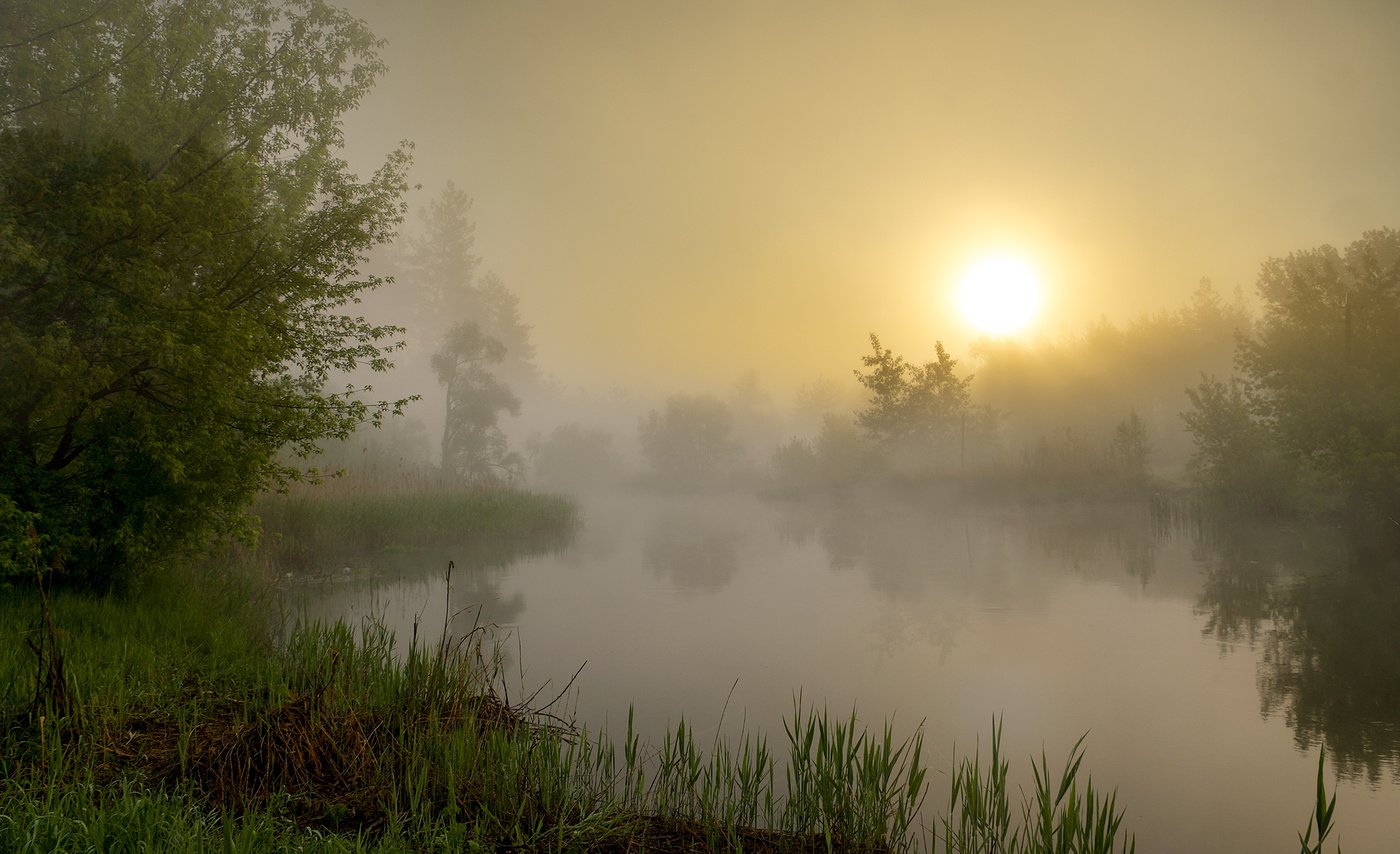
[[681, 191]]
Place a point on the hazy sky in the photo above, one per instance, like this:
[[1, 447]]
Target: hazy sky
[[681, 191]]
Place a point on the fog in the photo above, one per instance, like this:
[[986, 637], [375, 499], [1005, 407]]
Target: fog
[[948, 363], [680, 193], [709, 255]]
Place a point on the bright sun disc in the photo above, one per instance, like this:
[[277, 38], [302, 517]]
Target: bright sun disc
[[999, 295]]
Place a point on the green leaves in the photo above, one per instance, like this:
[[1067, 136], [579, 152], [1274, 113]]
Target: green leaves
[[918, 411], [180, 244], [1322, 812], [1320, 399]]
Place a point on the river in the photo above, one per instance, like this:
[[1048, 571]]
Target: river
[[1206, 667]]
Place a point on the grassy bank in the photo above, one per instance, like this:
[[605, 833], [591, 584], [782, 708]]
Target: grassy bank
[[307, 531]]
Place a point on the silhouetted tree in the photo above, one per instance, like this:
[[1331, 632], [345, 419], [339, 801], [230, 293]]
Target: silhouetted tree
[[442, 271], [473, 447], [690, 440], [918, 412], [1130, 449], [1236, 460], [1321, 390], [1326, 361], [575, 456]]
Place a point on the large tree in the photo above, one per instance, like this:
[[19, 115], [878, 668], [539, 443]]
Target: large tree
[[442, 273], [1320, 395], [179, 244], [474, 450]]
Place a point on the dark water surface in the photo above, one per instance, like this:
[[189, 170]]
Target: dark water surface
[[1207, 668]]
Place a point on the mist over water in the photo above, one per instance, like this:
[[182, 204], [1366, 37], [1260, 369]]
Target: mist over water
[[1025, 363], [649, 250], [1205, 666]]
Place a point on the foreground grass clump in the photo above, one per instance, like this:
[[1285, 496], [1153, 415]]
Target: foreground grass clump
[[181, 725], [306, 530]]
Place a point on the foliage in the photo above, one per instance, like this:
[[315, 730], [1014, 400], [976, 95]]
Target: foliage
[[1317, 414], [1326, 360], [912, 403], [1235, 459], [1321, 817], [179, 242], [575, 456], [474, 449], [1130, 449], [1060, 817], [447, 289], [481, 527], [690, 440], [1078, 462], [1085, 382], [20, 552], [838, 455]]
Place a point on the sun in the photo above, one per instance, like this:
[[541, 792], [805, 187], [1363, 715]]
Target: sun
[[999, 294]]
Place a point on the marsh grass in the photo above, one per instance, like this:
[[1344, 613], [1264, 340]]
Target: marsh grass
[[310, 530]]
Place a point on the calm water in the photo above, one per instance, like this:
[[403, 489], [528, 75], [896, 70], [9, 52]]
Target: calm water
[[1206, 670]]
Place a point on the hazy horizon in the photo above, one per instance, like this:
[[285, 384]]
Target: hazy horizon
[[679, 193]]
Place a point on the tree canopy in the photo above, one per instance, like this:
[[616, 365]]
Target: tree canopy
[[1316, 410], [179, 248], [690, 440], [917, 413], [474, 448]]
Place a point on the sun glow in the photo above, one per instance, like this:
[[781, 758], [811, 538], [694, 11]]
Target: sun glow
[[999, 295]]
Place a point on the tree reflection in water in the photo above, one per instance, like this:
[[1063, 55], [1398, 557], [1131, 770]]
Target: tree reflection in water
[[1327, 625], [693, 551]]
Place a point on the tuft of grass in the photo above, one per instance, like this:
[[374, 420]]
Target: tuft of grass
[[1321, 818], [1057, 817]]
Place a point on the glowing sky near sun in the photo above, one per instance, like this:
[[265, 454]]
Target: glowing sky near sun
[[680, 192]]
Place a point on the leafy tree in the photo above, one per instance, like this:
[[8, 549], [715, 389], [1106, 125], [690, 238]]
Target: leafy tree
[[473, 447], [1318, 408], [917, 411], [839, 455], [443, 272], [691, 440], [575, 456], [178, 243], [1236, 460], [1326, 360], [441, 264], [794, 465], [481, 345], [1130, 449]]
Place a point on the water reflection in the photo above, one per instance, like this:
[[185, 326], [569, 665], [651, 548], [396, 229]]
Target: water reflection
[[1063, 617], [411, 590], [1326, 626], [695, 551], [904, 546]]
